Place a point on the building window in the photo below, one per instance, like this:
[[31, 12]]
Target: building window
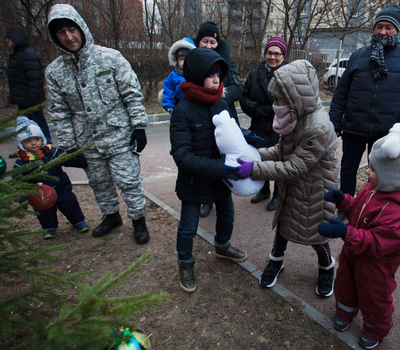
[[337, 11], [271, 9], [269, 25], [222, 8], [208, 8]]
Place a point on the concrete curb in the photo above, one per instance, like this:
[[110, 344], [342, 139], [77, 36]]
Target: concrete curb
[[152, 118]]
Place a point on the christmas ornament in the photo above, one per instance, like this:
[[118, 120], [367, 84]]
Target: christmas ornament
[[3, 166], [45, 200], [132, 340]]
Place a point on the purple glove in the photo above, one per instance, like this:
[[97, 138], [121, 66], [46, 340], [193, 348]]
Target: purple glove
[[334, 229], [245, 169]]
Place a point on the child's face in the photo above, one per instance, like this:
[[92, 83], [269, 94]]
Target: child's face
[[372, 177], [212, 82], [33, 144], [280, 102], [181, 60]]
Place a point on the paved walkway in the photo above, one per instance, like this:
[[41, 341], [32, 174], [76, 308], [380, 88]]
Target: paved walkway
[[252, 233]]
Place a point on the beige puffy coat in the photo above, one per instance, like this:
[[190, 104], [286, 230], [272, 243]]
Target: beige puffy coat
[[304, 162]]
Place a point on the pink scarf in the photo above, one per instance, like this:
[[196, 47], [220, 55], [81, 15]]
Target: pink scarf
[[283, 123]]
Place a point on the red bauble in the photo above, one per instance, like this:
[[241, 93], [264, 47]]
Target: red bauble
[[45, 200]]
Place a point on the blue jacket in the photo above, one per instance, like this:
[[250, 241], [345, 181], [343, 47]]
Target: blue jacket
[[363, 106], [172, 93]]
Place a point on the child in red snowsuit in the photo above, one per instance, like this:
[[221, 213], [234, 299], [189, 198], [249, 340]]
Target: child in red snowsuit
[[370, 256]]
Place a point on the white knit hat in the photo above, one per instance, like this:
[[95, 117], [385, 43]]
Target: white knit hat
[[32, 130], [385, 158]]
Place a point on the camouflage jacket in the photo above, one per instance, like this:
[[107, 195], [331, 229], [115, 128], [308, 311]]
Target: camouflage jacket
[[94, 94]]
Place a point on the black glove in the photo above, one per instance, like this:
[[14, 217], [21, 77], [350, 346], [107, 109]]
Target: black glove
[[231, 173], [252, 139], [334, 229], [78, 161], [335, 196], [139, 136]]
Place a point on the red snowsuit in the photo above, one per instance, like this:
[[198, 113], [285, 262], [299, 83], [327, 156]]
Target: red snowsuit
[[369, 260]]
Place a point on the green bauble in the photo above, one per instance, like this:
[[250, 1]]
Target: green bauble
[[3, 166], [133, 340]]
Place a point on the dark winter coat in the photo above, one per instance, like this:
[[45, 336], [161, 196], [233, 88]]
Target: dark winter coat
[[25, 72], [363, 106], [256, 102], [233, 86], [66, 202], [193, 146]]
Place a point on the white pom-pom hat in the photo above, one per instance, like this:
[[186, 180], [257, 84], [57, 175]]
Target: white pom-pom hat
[[385, 158], [32, 130]]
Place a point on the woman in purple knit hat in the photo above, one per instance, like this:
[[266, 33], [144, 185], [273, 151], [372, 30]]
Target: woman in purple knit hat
[[256, 102]]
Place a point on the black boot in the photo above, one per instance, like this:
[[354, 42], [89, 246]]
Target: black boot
[[109, 222], [264, 193], [186, 275], [140, 231], [325, 280], [205, 210], [273, 204]]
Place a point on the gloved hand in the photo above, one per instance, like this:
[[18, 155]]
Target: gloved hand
[[338, 132], [231, 173], [334, 196], [245, 169], [252, 139], [334, 229], [78, 161], [139, 136], [170, 110]]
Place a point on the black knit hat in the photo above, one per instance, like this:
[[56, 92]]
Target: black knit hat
[[57, 24], [181, 53], [390, 14], [208, 28]]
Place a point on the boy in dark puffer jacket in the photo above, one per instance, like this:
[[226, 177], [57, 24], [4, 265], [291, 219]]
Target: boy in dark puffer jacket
[[33, 146], [201, 168]]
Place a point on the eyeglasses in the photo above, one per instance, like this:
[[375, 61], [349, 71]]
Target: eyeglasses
[[275, 54]]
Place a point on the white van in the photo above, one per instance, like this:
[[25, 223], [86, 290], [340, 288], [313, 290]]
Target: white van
[[330, 73]]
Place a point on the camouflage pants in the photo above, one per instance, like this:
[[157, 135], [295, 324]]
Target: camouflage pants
[[122, 170]]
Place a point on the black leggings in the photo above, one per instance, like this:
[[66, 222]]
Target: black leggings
[[280, 244]]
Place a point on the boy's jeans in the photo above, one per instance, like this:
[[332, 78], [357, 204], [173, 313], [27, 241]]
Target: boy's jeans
[[189, 222]]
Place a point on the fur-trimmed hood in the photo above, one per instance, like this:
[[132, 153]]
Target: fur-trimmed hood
[[185, 43]]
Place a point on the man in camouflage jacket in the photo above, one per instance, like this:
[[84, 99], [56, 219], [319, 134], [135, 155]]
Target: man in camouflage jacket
[[95, 98]]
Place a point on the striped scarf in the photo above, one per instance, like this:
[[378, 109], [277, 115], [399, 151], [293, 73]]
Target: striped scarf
[[377, 54], [35, 155]]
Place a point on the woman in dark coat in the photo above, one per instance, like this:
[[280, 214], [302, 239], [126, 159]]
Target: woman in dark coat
[[256, 102]]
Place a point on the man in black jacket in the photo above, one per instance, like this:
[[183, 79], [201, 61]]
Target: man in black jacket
[[366, 103], [25, 76]]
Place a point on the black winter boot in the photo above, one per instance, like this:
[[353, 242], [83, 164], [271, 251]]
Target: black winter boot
[[186, 274], [205, 210], [140, 231], [325, 280], [109, 222]]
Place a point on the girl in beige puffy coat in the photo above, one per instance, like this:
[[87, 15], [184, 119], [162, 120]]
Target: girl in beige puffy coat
[[305, 164]]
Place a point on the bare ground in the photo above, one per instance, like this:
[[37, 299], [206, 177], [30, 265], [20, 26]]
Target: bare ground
[[228, 311]]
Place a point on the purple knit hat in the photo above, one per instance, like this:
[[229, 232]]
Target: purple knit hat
[[276, 41]]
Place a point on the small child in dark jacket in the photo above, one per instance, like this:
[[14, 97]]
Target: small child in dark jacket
[[370, 256], [201, 168], [172, 93], [32, 147]]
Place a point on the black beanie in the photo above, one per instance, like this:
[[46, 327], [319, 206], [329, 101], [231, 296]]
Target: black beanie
[[208, 28], [59, 23], [181, 53], [390, 14]]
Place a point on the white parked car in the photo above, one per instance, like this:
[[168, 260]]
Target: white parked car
[[330, 73]]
